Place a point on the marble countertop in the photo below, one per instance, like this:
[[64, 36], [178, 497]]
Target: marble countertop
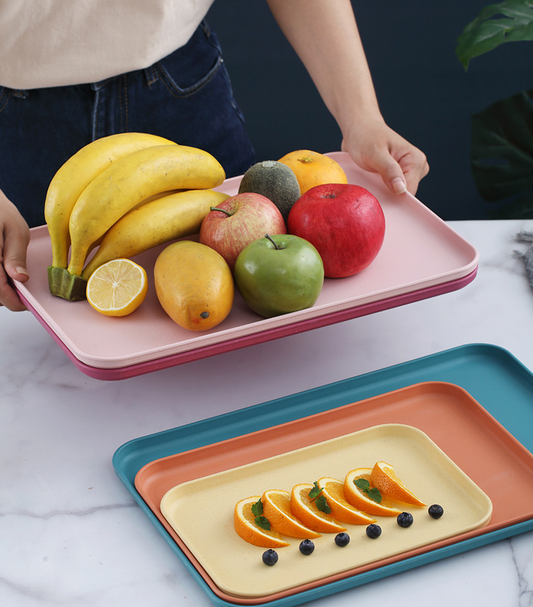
[[71, 534]]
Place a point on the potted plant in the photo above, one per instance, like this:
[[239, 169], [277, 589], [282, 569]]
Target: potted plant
[[502, 134]]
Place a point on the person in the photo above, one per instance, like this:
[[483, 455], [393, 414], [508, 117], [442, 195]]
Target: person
[[72, 72]]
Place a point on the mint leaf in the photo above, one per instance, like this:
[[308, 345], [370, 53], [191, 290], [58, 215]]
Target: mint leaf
[[362, 483], [375, 495], [263, 522], [315, 491], [322, 504], [257, 508]]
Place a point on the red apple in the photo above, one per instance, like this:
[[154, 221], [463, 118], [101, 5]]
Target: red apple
[[344, 222], [238, 221]]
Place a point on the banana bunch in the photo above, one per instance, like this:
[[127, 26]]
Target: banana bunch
[[125, 194]]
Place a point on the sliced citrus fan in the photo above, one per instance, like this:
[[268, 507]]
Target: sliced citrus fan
[[304, 508], [277, 509], [249, 530], [341, 510], [384, 478], [361, 500], [117, 287]]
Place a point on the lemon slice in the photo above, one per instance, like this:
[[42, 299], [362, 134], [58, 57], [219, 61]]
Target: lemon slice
[[117, 287]]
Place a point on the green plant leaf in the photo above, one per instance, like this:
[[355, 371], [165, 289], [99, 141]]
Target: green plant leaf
[[502, 152], [508, 21]]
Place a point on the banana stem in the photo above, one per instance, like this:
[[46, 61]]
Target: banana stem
[[62, 283]]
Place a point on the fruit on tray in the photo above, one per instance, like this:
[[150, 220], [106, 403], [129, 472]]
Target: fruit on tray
[[342, 510], [239, 220], [76, 174], [124, 185], [324, 506], [117, 288], [168, 217], [385, 480], [312, 169], [345, 223], [253, 527], [279, 274], [304, 507], [360, 494], [276, 181], [277, 509], [194, 285]]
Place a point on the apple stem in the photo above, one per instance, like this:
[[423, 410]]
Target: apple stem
[[276, 246], [221, 210]]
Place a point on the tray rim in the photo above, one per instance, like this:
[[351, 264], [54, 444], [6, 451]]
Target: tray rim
[[141, 368], [366, 382]]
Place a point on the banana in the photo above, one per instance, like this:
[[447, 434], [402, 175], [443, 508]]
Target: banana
[[154, 223], [74, 176], [127, 183]]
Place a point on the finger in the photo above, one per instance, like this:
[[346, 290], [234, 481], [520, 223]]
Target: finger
[[8, 296]]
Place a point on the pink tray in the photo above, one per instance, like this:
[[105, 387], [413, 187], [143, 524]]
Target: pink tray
[[421, 257]]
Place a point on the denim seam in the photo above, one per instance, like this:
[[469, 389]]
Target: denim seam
[[176, 91]]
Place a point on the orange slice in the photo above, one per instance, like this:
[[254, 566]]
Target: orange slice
[[358, 499], [117, 287], [306, 511], [384, 478], [249, 531], [341, 510], [277, 509]]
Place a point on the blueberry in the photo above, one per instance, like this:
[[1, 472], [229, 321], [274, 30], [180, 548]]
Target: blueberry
[[270, 557], [373, 531], [405, 519], [342, 539], [435, 511], [306, 547]]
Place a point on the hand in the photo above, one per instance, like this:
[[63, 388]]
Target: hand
[[14, 239], [377, 148]]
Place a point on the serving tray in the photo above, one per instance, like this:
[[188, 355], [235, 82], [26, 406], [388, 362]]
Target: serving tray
[[429, 394], [421, 257], [235, 567]]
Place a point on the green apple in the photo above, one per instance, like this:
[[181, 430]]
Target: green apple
[[279, 274]]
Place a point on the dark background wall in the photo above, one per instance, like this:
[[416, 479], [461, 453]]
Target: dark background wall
[[423, 91]]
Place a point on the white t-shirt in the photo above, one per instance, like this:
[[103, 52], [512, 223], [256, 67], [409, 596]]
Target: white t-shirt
[[46, 43]]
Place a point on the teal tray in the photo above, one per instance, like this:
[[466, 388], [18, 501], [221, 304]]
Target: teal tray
[[490, 374]]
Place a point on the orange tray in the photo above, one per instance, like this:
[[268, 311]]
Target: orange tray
[[450, 417]]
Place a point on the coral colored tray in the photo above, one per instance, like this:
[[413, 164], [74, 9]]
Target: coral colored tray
[[421, 257], [474, 402]]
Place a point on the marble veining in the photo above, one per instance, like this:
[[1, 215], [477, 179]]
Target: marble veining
[[70, 533]]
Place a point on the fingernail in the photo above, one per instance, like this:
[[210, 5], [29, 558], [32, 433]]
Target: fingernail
[[398, 185], [22, 270]]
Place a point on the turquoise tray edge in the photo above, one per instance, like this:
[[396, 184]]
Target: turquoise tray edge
[[491, 374]]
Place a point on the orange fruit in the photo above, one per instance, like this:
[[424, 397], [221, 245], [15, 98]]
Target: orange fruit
[[312, 168], [277, 509], [305, 509], [249, 530], [384, 478], [360, 499], [117, 287], [341, 510], [194, 285]]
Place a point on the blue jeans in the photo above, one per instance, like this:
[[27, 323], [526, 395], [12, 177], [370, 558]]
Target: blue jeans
[[186, 97]]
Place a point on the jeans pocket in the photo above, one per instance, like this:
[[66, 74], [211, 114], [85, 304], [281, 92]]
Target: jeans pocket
[[192, 67]]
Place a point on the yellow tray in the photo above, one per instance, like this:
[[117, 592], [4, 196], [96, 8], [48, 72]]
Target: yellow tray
[[201, 511]]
